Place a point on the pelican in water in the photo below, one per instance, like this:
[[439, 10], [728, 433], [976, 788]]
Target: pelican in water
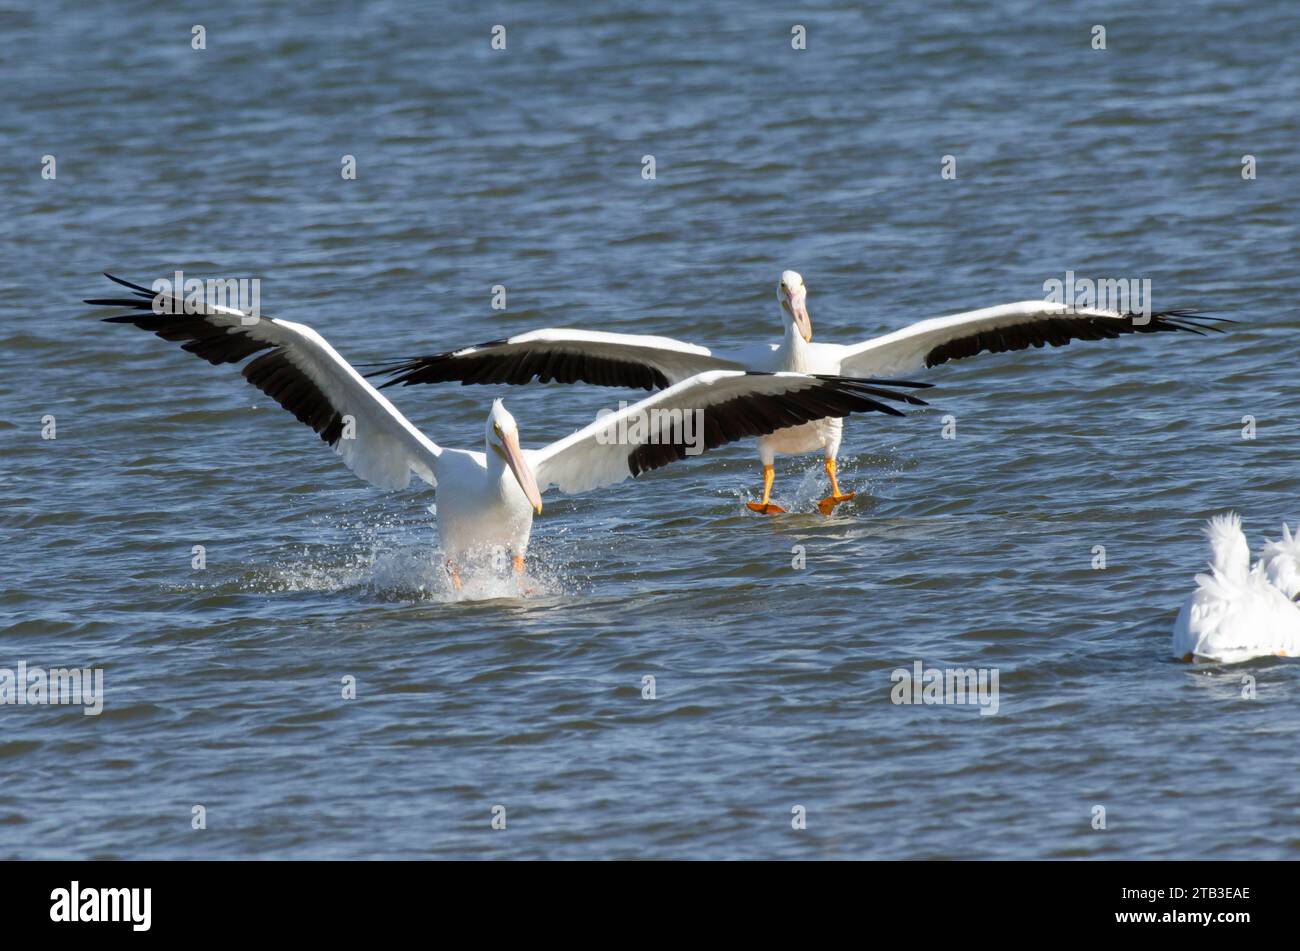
[[1238, 611], [486, 500], [633, 360]]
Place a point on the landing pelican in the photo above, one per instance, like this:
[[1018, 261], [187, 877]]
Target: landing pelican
[[486, 500], [1237, 611], [611, 359]]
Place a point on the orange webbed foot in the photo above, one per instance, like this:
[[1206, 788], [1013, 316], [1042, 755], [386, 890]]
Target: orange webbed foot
[[827, 505]]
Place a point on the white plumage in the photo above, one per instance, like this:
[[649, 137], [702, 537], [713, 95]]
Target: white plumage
[[569, 356], [486, 500], [1239, 611]]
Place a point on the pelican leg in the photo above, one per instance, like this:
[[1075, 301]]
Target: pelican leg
[[765, 507], [827, 505], [518, 562], [454, 574]]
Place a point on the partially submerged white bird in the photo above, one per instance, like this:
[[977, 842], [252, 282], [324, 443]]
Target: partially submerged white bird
[[486, 500], [1237, 611], [634, 360]]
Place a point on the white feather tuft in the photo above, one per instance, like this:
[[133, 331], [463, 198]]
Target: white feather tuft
[[1282, 562], [1231, 553], [1238, 611]]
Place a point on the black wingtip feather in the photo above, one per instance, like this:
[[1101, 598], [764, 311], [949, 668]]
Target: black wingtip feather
[[125, 283], [480, 364], [1068, 327], [272, 372], [760, 414]]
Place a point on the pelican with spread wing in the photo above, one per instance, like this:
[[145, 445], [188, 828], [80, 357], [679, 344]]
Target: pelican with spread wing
[[486, 500], [633, 360]]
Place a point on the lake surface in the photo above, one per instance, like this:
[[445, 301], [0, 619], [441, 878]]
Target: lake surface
[[523, 167]]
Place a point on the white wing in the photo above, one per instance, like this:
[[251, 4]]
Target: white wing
[[1031, 323], [564, 356], [299, 370], [704, 412]]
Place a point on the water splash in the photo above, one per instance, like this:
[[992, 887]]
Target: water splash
[[413, 572], [798, 488]]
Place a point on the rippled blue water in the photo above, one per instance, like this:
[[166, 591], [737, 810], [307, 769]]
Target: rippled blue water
[[523, 167]]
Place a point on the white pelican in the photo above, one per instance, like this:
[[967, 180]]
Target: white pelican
[[486, 500], [611, 359], [1238, 612]]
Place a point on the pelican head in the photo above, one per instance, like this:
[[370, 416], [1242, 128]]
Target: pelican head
[[793, 297], [503, 439]]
